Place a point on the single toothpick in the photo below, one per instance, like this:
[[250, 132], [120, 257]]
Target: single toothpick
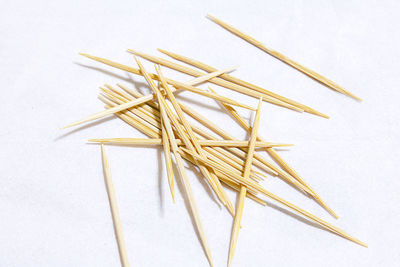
[[227, 77], [211, 143], [243, 190], [277, 158], [284, 59], [214, 80], [168, 161], [114, 210]]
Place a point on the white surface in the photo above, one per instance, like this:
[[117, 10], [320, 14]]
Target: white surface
[[53, 202]]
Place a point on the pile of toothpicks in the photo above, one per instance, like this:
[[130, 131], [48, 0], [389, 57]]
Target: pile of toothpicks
[[224, 161]]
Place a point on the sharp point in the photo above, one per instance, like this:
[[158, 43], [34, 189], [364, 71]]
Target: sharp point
[[210, 16], [66, 126]]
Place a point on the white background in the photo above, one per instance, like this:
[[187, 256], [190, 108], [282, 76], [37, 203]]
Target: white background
[[53, 203]]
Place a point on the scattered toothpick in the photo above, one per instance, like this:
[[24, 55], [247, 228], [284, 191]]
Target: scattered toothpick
[[211, 143], [243, 189], [284, 59], [114, 210], [223, 160]]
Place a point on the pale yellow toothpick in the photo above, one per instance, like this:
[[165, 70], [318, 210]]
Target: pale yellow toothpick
[[114, 210], [284, 59], [243, 189]]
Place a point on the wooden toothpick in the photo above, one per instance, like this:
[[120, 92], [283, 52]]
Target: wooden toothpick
[[243, 190], [211, 143], [282, 58], [114, 210]]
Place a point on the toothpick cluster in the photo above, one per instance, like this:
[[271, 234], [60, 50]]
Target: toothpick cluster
[[224, 161]]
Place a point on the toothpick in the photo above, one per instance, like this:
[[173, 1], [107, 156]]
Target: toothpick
[[227, 77], [168, 161], [104, 113], [284, 59], [214, 80], [210, 143], [114, 210], [243, 190]]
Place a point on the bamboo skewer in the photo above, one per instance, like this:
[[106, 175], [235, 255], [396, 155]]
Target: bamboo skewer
[[114, 210], [214, 80], [229, 78], [243, 190], [276, 157], [209, 143], [284, 59]]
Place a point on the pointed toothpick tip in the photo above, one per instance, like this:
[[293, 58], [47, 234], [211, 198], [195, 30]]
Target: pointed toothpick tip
[[210, 17], [67, 126]]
